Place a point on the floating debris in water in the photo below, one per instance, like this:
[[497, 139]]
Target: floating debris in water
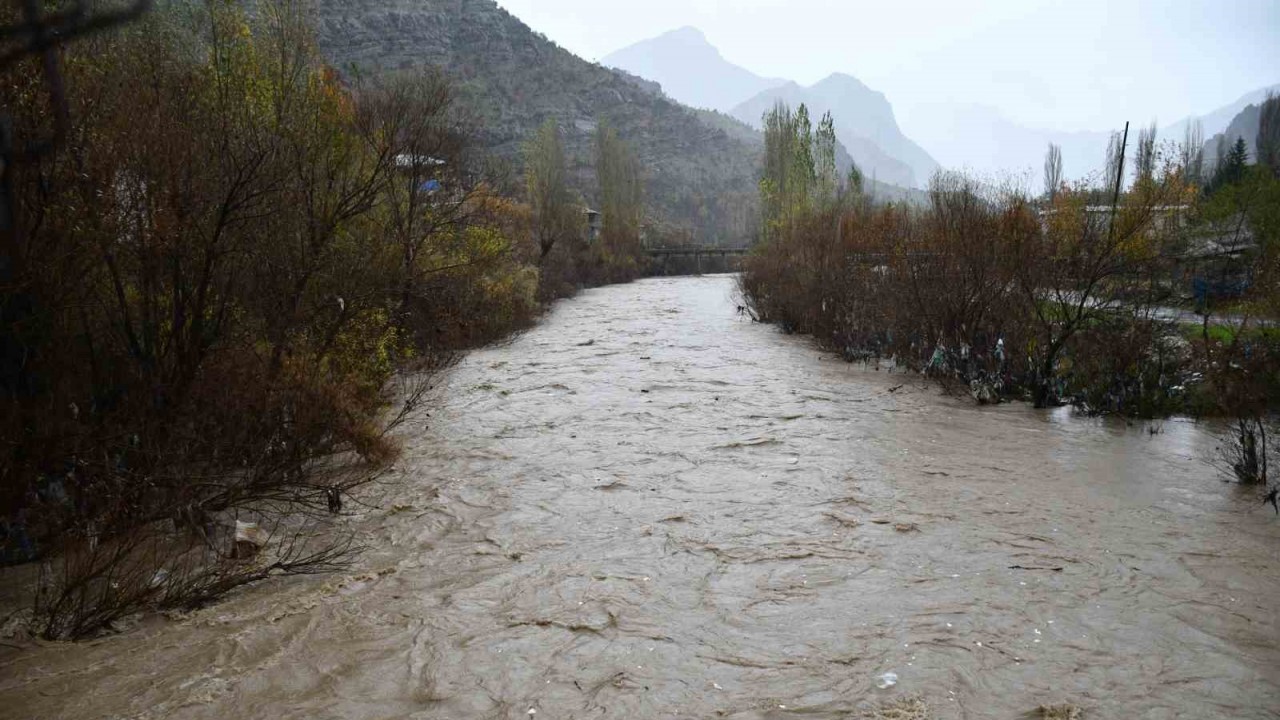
[[910, 708], [1065, 711]]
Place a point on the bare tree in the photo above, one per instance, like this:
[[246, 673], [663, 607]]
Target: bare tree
[[1192, 152], [434, 186], [1220, 150], [1087, 265], [1144, 160], [1052, 171], [1244, 452], [1115, 159]]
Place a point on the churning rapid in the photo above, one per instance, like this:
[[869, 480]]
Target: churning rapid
[[651, 507]]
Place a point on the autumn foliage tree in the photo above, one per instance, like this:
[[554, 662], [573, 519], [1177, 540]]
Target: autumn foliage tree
[[225, 264]]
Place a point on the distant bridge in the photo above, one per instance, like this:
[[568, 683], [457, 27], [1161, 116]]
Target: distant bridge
[[697, 252]]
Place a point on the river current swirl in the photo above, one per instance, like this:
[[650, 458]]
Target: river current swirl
[[649, 506]]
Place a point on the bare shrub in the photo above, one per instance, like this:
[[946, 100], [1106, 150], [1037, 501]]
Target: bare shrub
[[1244, 453], [986, 292], [93, 581], [931, 288]]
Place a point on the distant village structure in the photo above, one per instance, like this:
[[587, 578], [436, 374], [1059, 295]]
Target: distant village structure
[[1211, 259], [595, 223]]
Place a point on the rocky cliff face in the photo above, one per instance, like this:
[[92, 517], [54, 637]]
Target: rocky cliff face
[[700, 175], [1244, 125]]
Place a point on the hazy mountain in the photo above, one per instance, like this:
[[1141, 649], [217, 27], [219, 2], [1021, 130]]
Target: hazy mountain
[[865, 124], [1244, 125], [869, 114], [1218, 120], [690, 70], [981, 139]]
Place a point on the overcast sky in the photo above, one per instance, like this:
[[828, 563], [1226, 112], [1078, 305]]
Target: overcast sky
[[1068, 64]]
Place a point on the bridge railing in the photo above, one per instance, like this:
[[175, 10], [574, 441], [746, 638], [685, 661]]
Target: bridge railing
[[696, 250]]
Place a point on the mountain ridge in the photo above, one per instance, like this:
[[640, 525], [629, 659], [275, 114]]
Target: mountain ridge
[[667, 58], [1243, 126], [698, 176], [690, 69], [995, 144]]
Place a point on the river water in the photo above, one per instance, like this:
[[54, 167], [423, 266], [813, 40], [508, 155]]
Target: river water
[[649, 506]]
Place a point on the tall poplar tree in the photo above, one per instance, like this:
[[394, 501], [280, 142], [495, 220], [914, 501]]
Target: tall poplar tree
[[621, 193], [824, 155], [556, 216]]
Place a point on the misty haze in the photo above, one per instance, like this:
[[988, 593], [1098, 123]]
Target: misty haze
[[564, 359]]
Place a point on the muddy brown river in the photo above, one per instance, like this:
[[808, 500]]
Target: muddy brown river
[[650, 507]]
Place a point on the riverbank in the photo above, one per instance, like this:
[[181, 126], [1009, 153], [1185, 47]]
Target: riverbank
[[649, 506]]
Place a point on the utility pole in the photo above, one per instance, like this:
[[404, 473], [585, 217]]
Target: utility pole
[[1115, 198]]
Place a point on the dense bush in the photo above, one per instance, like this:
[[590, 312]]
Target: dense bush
[[215, 275], [992, 292]]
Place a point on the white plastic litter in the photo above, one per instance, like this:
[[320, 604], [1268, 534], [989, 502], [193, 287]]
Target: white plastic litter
[[250, 533], [249, 539], [887, 680]]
